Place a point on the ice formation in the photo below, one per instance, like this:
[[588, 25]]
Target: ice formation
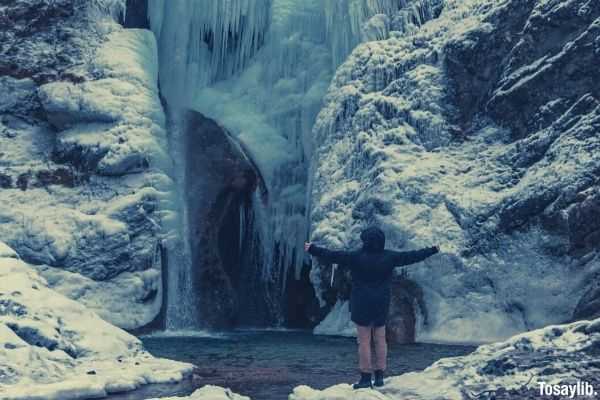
[[260, 69], [337, 322], [204, 42]]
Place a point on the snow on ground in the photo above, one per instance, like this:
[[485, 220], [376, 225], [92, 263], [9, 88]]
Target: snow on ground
[[209, 392], [554, 355], [55, 348], [7, 252]]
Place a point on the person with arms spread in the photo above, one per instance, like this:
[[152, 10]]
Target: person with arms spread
[[372, 269]]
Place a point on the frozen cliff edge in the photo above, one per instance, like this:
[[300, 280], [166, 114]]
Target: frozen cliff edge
[[464, 135], [559, 354], [55, 348], [85, 179]]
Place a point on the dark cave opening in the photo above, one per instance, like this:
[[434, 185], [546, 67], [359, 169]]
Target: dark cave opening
[[301, 307], [136, 15]]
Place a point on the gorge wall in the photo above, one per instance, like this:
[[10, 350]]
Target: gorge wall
[[478, 132], [85, 189]]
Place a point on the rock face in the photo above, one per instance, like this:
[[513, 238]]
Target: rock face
[[48, 40], [508, 370], [589, 304], [84, 173], [220, 184], [55, 348], [476, 134]]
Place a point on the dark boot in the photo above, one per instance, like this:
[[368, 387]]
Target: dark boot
[[378, 378], [365, 381]]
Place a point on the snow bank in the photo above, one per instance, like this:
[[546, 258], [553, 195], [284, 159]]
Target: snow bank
[[7, 252], [55, 348], [554, 355]]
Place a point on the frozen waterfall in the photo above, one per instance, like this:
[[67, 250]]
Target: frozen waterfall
[[260, 69]]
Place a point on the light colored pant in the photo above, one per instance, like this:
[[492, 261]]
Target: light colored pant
[[367, 335]]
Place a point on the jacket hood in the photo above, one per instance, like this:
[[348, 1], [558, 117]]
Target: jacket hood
[[373, 239]]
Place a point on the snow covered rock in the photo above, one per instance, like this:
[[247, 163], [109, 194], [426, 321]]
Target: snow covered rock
[[51, 40], [559, 354], [464, 134], [113, 125], [84, 170], [55, 348], [7, 252], [209, 392]]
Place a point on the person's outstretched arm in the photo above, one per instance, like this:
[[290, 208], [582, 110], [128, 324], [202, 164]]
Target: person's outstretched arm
[[414, 256], [331, 256]]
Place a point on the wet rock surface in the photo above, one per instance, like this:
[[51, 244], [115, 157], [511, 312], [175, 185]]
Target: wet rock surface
[[406, 306], [221, 180]]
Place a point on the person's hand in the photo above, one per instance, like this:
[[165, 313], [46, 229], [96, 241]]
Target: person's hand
[[307, 246]]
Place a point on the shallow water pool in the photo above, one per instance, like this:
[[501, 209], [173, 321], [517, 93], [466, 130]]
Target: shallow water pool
[[267, 365]]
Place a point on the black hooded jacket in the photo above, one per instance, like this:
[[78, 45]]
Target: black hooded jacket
[[371, 268]]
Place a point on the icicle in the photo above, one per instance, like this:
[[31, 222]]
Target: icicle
[[346, 20], [202, 42]]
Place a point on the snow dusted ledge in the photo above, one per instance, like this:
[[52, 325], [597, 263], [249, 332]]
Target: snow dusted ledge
[[52, 347], [558, 354]]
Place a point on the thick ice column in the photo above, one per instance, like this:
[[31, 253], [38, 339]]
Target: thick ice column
[[271, 106], [201, 42]]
